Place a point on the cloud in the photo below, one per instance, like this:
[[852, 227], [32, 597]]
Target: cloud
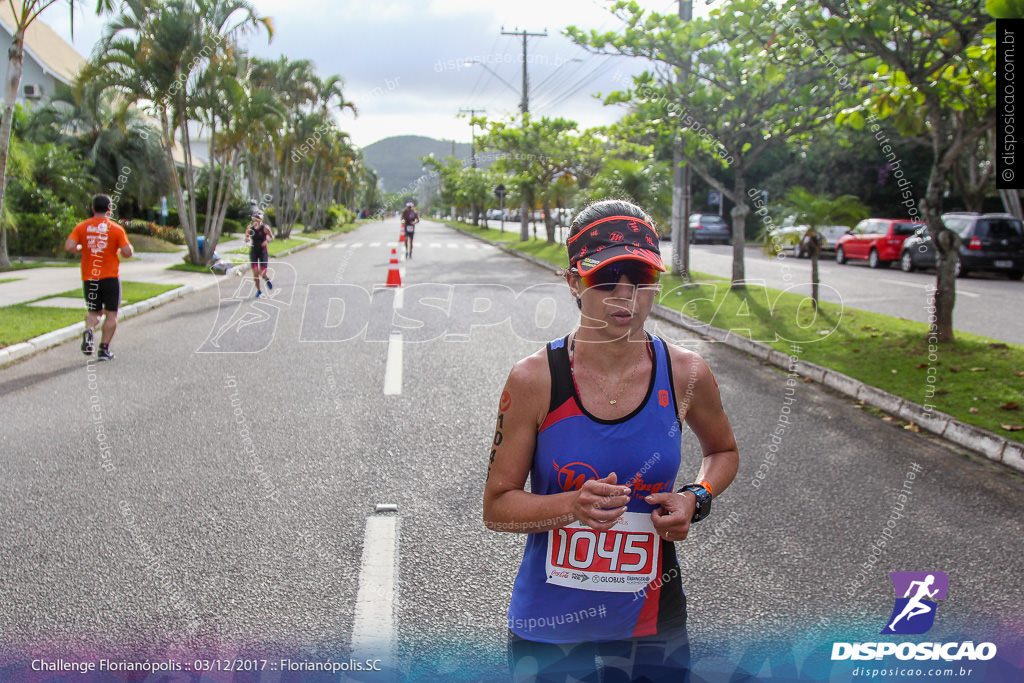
[[403, 61]]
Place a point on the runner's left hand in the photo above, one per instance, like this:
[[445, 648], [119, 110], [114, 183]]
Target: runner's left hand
[[672, 518]]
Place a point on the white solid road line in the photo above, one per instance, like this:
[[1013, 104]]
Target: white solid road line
[[373, 633], [927, 288], [393, 369]]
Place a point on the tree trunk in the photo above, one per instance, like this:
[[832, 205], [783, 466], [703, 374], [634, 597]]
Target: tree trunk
[[945, 241], [549, 222], [524, 226], [15, 56], [186, 225], [739, 227], [814, 244]]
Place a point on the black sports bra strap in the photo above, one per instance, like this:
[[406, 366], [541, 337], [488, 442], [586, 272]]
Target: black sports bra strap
[[561, 374]]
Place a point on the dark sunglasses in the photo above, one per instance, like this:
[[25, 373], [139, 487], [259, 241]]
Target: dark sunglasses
[[606, 278]]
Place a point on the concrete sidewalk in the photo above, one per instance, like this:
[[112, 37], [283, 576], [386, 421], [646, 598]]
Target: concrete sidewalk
[[37, 283], [150, 267]]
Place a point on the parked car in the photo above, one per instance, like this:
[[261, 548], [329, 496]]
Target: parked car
[[878, 240], [710, 228], [989, 242], [830, 235]]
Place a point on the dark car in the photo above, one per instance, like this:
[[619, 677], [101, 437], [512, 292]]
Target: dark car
[[709, 228], [878, 240], [991, 242]]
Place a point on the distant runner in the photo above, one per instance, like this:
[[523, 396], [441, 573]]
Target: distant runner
[[410, 217], [101, 241], [258, 236]]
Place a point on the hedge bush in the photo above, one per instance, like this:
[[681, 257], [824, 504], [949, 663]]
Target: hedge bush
[[338, 216], [164, 232], [38, 234]]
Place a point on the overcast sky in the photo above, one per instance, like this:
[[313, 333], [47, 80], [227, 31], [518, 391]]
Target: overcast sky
[[403, 62]]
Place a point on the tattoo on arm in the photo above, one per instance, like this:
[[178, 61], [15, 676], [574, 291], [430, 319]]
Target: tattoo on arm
[[498, 438]]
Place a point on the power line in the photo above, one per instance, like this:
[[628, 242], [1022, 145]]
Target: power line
[[596, 73]]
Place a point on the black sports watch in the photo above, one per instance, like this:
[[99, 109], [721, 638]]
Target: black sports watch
[[703, 508]]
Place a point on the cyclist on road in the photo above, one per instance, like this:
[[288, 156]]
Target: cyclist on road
[[101, 241], [594, 421], [410, 217], [258, 236]]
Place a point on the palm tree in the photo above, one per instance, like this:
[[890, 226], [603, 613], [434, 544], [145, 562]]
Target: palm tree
[[816, 210], [109, 139], [25, 12], [155, 55]]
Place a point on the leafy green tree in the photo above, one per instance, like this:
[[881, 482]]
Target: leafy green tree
[[534, 157], [728, 83], [119, 145], [25, 12], [930, 74], [645, 183]]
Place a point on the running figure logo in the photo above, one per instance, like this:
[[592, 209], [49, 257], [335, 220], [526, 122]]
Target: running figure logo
[[917, 594], [244, 324]]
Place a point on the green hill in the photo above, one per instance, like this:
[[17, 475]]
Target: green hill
[[396, 159]]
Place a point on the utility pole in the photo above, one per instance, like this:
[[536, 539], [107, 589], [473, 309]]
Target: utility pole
[[472, 127], [524, 211], [524, 104], [681, 181], [473, 208]]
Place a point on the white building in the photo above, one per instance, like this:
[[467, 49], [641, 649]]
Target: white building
[[49, 59]]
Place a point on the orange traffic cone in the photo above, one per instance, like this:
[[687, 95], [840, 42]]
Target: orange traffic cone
[[401, 237], [394, 277]]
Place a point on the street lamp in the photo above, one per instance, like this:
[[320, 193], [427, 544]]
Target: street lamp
[[471, 62]]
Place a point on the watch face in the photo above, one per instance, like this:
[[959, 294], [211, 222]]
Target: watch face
[[703, 501]]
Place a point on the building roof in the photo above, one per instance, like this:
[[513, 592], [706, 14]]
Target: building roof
[[53, 54]]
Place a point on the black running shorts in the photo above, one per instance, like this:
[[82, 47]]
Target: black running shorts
[[104, 294]]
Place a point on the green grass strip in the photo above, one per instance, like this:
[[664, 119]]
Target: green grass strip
[[977, 380], [22, 322]]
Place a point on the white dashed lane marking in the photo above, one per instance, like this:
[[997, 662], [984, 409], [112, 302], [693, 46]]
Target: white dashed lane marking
[[373, 632], [393, 369]]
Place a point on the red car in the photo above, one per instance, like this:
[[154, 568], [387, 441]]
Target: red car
[[878, 240]]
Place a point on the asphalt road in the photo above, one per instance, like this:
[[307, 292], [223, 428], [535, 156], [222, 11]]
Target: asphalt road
[[983, 301], [206, 493]]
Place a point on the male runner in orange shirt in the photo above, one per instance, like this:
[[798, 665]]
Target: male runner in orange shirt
[[100, 241]]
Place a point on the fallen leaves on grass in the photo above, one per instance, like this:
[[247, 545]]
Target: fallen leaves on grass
[[1010, 405], [1013, 428], [972, 410]]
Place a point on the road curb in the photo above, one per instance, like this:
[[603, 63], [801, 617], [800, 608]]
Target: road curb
[[975, 439], [16, 352]]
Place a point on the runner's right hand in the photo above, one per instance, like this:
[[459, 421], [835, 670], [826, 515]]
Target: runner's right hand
[[600, 502]]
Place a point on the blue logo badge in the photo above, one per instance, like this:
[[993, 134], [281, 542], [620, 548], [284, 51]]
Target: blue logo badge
[[917, 594]]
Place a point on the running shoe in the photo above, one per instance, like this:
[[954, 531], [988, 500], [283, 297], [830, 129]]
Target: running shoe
[[104, 354], [87, 342], [270, 285], [259, 293]]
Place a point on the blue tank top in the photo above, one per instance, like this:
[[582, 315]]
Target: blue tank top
[[576, 584]]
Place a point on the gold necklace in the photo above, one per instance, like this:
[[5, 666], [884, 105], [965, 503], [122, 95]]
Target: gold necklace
[[597, 378]]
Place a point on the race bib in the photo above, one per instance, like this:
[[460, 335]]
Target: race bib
[[621, 560]]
